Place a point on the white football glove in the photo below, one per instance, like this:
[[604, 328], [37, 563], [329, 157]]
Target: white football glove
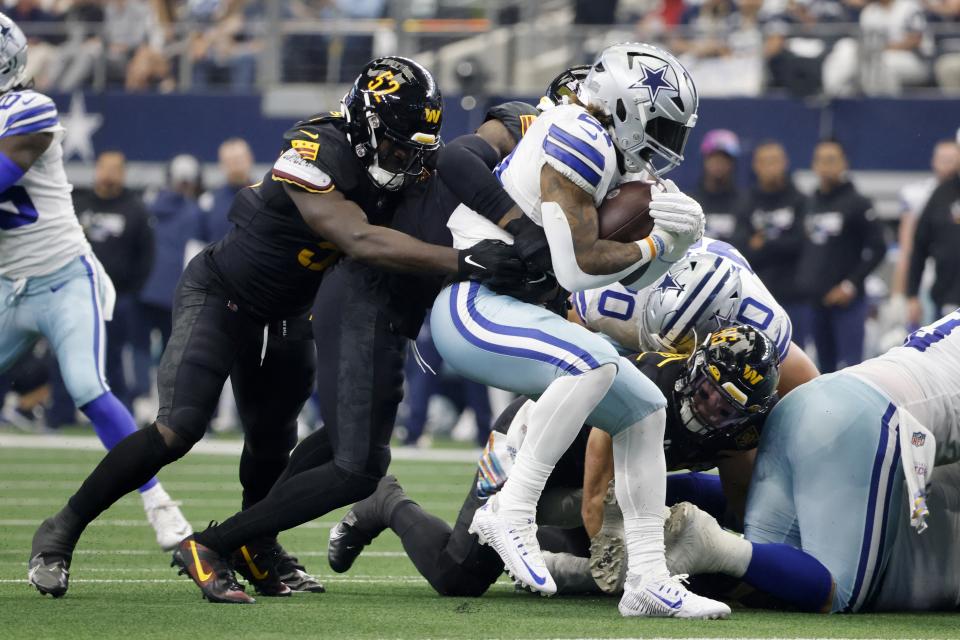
[[676, 212]]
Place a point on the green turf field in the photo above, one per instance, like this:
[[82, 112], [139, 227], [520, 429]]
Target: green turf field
[[122, 585]]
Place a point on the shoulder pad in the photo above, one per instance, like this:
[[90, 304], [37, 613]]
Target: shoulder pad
[[23, 112], [516, 116], [578, 147], [317, 153]]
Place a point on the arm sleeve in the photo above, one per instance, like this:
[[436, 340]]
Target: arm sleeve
[[465, 167], [921, 251], [874, 247]]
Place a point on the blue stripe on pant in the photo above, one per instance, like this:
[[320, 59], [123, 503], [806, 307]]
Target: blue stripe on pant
[[502, 342], [826, 480]]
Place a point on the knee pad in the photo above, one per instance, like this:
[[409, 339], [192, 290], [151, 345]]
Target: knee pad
[[167, 443]]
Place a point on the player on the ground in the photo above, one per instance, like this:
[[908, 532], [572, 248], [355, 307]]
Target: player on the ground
[[242, 306], [707, 420], [558, 174], [51, 284], [839, 498]]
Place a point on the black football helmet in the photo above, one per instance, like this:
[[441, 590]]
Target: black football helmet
[[396, 100], [729, 383], [565, 85]]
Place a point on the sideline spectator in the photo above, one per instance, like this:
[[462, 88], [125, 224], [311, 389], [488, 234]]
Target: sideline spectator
[[893, 49], [225, 52], [177, 219], [236, 165], [43, 35], [115, 222], [945, 163], [945, 14], [770, 224], [844, 243], [717, 192], [938, 237]]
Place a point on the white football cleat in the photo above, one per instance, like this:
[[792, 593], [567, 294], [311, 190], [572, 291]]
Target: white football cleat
[[667, 598], [167, 520], [696, 543], [515, 541]]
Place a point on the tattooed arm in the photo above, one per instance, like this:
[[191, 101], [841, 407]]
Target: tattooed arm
[[581, 260]]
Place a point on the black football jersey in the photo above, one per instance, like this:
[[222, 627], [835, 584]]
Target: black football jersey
[[683, 449], [272, 262], [516, 117]]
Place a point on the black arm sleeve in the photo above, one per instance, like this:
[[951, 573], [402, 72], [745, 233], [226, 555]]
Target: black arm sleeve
[[465, 167]]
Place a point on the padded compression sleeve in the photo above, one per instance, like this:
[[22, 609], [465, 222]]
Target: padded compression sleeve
[[465, 168]]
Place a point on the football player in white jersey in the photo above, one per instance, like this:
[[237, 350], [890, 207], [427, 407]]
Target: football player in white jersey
[[634, 110], [50, 282], [842, 489]]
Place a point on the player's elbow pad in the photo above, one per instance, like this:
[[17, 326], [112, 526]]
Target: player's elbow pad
[[565, 267]]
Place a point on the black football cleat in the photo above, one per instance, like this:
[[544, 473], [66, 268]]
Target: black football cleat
[[291, 572], [258, 563], [210, 571], [48, 568], [346, 543]]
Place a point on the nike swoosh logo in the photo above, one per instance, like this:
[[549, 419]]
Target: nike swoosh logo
[[253, 567], [313, 136], [27, 101], [57, 287], [673, 605], [202, 575], [469, 260], [533, 574], [593, 136]]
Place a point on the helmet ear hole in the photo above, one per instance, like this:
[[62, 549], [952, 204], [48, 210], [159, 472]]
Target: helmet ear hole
[[621, 110]]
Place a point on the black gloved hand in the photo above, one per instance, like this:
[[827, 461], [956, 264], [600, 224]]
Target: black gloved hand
[[531, 243], [489, 259]]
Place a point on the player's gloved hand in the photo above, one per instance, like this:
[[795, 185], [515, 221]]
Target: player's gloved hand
[[490, 260], [494, 465], [530, 241], [676, 212]]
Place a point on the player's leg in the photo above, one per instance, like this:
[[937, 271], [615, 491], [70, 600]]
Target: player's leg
[[205, 341], [499, 341], [269, 395], [360, 386]]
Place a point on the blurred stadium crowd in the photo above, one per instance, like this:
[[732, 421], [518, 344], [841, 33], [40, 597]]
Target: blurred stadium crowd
[[742, 47]]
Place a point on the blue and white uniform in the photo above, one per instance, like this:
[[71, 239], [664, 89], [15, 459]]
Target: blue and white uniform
[[50, 282], [505, 343], [712, 286], [829, 477]]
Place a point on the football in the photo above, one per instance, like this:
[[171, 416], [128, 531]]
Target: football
[[624, 215]]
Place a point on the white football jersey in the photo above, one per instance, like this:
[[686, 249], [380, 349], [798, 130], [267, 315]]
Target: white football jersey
[[923, 377], [39, 231], [568, 139], [712, 286]]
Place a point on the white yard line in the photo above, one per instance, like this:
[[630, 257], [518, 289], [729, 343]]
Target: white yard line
[[215, 447]]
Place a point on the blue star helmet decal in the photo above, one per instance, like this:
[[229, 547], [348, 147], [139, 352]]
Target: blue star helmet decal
[[653, 81], [668, 283]]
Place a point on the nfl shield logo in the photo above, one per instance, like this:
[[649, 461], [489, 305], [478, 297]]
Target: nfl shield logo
[[919, 437]]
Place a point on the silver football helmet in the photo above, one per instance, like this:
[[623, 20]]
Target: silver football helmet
[[13, 54], [698, 295], [651, 99]]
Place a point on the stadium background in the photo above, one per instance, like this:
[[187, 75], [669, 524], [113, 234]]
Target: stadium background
[[159, 78]]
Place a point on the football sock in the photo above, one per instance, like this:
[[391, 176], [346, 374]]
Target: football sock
[[259, 470], [112, 423], [127, 466], [154, 496], [553, 425], [791, 575], [641, 471], [701, 489], [297, 499]]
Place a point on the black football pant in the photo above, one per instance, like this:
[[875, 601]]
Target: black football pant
[[270, 366], [450, 558], [360, 385]]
